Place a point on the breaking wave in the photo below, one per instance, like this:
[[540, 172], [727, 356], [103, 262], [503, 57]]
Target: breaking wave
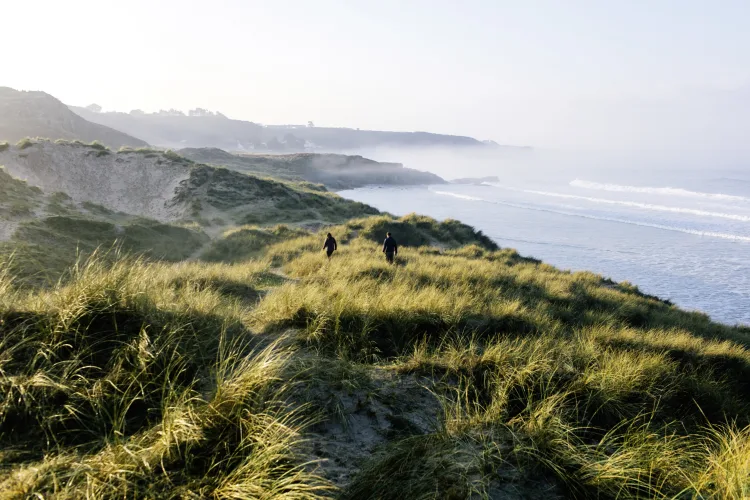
[[665, 191], [456, 195], [634, 204]]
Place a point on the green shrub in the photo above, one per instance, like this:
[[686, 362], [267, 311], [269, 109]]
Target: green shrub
[[147, 151], [25, 143], [172, 156], [4, 146]]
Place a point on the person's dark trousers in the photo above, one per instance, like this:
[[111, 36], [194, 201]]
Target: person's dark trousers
[[329, 253], [389, 257]]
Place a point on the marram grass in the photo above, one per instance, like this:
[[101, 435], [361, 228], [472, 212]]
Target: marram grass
[[135, 379]]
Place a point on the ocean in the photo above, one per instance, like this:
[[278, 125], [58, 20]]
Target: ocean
[[685, 238]]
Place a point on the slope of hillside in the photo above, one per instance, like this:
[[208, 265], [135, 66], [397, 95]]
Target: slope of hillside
[[168, 187], [37, 114], [333, 171], [463, 371], [45, 232], [224, 133], [61, 199]]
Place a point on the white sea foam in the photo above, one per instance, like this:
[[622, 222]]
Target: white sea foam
[[709, 234], [457, 195], [634, 204], [644, 206], [664, 191]]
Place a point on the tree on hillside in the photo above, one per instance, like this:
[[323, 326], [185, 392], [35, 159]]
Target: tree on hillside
[[137, 112], [94, 108], [310, 124]]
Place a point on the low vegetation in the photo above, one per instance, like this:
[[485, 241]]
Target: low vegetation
[[43, 249], [249, 200], [329, 170], [17, 198], [25, 143], [462, 371], [243, 243], [133, 381]]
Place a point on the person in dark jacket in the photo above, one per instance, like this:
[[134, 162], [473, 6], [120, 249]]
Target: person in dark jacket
[[330, 245], [390, 248]]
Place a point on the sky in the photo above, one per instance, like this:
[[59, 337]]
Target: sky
[[556, 74]]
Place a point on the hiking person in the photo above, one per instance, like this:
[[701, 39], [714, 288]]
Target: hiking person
[[390, 248], [330, 245]]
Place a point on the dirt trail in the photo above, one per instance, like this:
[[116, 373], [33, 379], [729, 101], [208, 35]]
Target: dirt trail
[[278, 271]]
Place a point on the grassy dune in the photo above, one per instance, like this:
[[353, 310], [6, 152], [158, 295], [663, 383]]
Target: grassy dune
[[461, 371]]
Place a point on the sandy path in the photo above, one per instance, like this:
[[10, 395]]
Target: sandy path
[[7, 228]]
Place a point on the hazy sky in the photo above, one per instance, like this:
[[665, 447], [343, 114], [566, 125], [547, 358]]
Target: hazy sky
[[545, 73]]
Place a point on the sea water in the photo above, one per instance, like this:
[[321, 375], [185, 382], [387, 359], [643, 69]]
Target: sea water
[[687, 241]]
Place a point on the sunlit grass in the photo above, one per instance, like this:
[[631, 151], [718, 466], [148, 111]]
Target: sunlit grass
[[137, 379]]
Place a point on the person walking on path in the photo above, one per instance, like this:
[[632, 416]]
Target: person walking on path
[[330, 245], [390, 248]]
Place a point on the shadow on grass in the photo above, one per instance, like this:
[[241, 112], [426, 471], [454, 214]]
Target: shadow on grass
[[77, 382]]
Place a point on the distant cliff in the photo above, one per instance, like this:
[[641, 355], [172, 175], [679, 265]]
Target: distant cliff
[[175, 130], [332, 170]]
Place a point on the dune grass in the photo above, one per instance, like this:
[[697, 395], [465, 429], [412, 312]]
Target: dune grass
[[45, 248], [245, 242], [132, 379], [615, 393], [141, 380], [256, 201], [24, 143], [17, 197]]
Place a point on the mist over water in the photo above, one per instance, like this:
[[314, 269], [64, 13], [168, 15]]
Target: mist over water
[[679, 233]]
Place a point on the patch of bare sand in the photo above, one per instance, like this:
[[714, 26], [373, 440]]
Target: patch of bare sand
[[7, 228], [397, 407], [133, 183], [368, 419]]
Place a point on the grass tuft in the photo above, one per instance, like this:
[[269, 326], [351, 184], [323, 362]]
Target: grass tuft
[[25, 143]]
